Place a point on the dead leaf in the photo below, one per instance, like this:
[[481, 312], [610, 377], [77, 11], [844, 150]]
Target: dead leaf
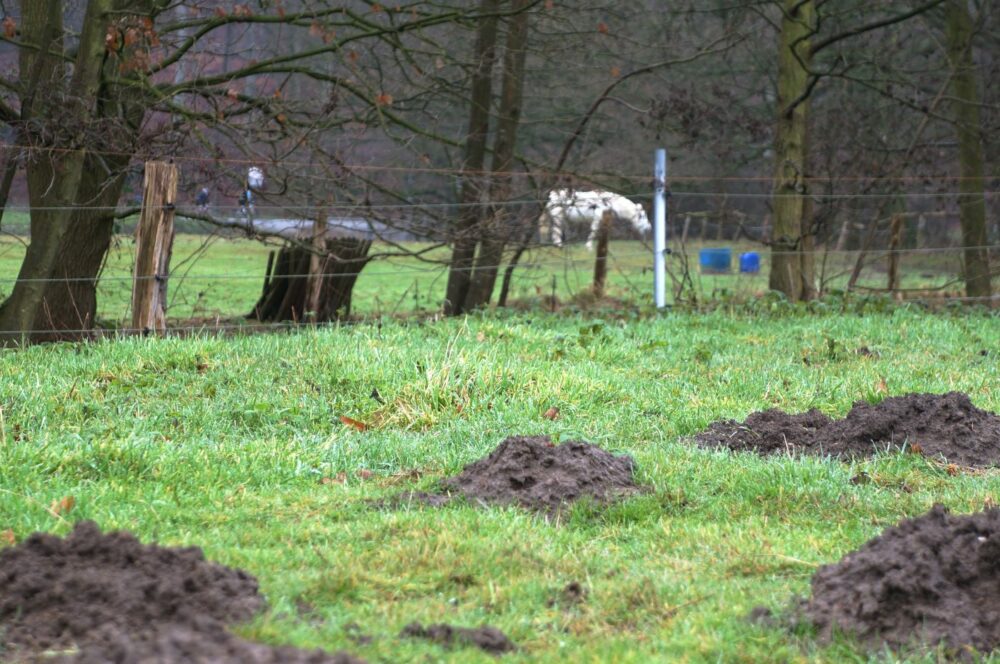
[[916, 448], [404, 476], [7, 537], [951, 469], [62, 506], [365, 474], [351, 422], [861, 478], [339, 478], [551, 413], [111, 39]]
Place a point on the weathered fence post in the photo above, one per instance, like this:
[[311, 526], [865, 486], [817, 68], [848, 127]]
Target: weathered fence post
[[601, 262], [317, 264], [895, 238], [153, 244]]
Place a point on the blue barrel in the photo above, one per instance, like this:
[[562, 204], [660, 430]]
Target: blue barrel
[[750, 262], [715, 261]]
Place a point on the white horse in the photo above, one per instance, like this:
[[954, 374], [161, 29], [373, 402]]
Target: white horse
[[567, 206]]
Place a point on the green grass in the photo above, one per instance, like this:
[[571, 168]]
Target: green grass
[[215, 279], [225, 444]]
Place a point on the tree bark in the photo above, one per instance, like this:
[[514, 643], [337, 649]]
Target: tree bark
[[972, 203], [287, 289], [72, 190], [494, 237], [792, 271], [473, 179]]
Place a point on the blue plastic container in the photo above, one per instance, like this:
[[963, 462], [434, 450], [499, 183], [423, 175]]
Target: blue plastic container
[[750, 262], [715, 261]]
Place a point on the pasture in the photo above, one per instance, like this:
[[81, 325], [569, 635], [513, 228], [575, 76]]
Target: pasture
[[236, 445], [215, 280]]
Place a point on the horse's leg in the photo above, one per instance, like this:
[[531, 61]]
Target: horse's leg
[[595, 226]]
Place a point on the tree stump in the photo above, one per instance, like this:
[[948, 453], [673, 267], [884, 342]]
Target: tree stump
[[287, 282]]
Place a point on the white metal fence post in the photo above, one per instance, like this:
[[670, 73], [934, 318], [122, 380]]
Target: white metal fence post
[[660, 228]]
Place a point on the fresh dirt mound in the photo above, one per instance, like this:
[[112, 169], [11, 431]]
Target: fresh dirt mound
[[485, 638], [108, 597], [933, 579], [534, 473], [944, 426]]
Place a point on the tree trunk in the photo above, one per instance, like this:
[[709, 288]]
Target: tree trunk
[[495, 236], [473, 181], [287, 287], [958, 33], [72, 192], [791, 239]]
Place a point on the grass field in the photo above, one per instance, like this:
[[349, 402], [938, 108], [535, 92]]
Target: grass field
[[216, 278], [235, 445]]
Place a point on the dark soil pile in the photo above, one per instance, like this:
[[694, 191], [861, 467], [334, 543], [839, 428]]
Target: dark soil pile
[[534, 473], [944, 426], [934, 579], [109, 598], [485, 638]]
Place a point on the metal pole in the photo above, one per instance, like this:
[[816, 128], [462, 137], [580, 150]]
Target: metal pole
[[660, 228]]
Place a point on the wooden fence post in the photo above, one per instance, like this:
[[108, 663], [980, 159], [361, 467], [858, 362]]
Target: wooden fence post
[[601, 262], [153, 244], [317, 264], [895, 237]]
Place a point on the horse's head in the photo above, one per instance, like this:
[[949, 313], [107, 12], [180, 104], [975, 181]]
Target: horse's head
[[641, 222]]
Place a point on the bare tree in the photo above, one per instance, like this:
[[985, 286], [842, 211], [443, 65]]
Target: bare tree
[[972, 206], [143, 79]]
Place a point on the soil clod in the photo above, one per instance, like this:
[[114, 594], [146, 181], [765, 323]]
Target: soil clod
[[572, 594], [533, 472], [941, 426], [932, 580], [99, 597], [485, 638]]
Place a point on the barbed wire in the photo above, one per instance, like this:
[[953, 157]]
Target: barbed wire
[[457, 171], [377, 207], [618, 257], [306, 325]]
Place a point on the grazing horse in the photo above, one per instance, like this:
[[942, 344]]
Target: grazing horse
[[567, 206]]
